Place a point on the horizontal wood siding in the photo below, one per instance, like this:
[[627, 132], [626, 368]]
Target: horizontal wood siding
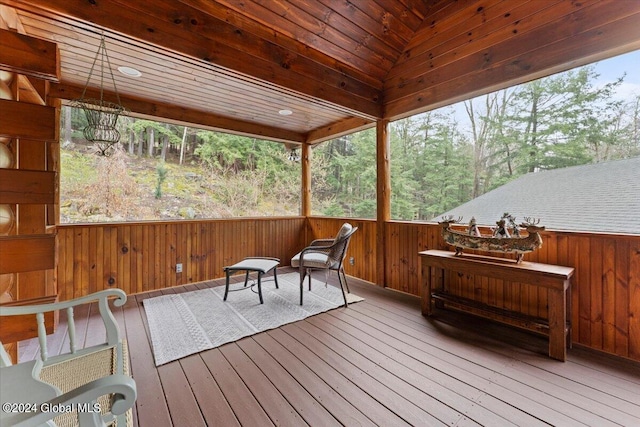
[[139, 257], [605, 288]]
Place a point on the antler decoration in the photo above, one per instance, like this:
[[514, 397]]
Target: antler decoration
[[531, 221], [450, 219], [531, 224]]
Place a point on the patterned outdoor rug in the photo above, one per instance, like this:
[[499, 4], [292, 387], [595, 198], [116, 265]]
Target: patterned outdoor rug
[[191, 322]]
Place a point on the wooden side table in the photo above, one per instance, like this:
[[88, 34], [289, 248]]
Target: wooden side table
[[557, 279]]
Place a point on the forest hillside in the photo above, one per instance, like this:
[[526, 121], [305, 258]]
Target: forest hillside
[[122, 187], [439, 159]]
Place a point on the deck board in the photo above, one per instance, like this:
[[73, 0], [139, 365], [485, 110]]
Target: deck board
[[378, 362]]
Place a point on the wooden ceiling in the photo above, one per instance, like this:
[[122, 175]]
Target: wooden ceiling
[[338, 65]]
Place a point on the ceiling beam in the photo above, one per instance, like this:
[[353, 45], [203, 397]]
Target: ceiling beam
[[196, 34], [180, 115], [338, 129]]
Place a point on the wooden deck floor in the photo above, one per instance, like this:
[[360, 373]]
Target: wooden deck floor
[[378, 362]]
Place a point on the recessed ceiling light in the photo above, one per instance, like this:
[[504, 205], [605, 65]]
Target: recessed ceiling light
[[285, 112], [128, 71]]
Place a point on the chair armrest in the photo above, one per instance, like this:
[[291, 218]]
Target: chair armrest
[[122, 387], [322, 249], [321, 242], [109, 321], [121, 298]]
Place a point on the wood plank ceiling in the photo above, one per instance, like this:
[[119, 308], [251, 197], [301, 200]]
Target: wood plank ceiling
[[338, 65]]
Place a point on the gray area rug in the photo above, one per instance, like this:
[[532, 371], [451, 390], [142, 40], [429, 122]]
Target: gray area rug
[[191, 322]]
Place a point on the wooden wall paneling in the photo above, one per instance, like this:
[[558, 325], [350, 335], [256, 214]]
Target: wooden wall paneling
[[219, 249], [92, 261], [78, 260], [177, 234], [202, 251], [551, 257], [85, 266], [634, 300], [391, 245], [596, 311], [206, 234], [410, 260], [100, 254], [68, 287], [404, 265], [111, 268], [108, 254], [582, 286], [145, 250], [158, 257], [622, 304], [562, 254], [161, 254], [596, 291], [608, 297], [119, 258], [128, 259], [137, 247], [174, 249], [618, 306]]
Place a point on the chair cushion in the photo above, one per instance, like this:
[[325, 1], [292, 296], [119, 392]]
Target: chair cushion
[[312, 260], [346, 228]]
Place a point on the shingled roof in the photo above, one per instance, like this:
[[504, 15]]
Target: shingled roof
[[601, 197]]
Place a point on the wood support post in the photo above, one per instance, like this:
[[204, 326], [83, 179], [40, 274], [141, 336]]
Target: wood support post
[[305, 159], [383, 190]]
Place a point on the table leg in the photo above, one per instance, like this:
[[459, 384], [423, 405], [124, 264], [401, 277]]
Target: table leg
[[275, 276], [569, 316], [246, 278], [557, 324], [426, 289]]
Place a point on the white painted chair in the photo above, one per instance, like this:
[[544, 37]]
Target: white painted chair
[[84, 387]]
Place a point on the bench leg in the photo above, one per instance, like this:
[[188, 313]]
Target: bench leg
[[260, 286], [226, 287]]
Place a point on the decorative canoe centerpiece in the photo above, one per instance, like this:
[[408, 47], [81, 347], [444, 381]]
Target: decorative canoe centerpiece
[[506, 236]]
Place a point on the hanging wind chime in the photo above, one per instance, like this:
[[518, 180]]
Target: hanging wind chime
[[102, 116]]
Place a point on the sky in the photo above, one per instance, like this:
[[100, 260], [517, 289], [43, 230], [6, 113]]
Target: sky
[[613, 68], [609, 70]]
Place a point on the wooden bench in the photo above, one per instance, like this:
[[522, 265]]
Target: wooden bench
[[557, 279]]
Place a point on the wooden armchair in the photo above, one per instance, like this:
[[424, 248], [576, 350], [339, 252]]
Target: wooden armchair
[[84, 387], [325, 254]]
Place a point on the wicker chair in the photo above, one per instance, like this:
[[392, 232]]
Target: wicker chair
[[85, 387], [325, 254]]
